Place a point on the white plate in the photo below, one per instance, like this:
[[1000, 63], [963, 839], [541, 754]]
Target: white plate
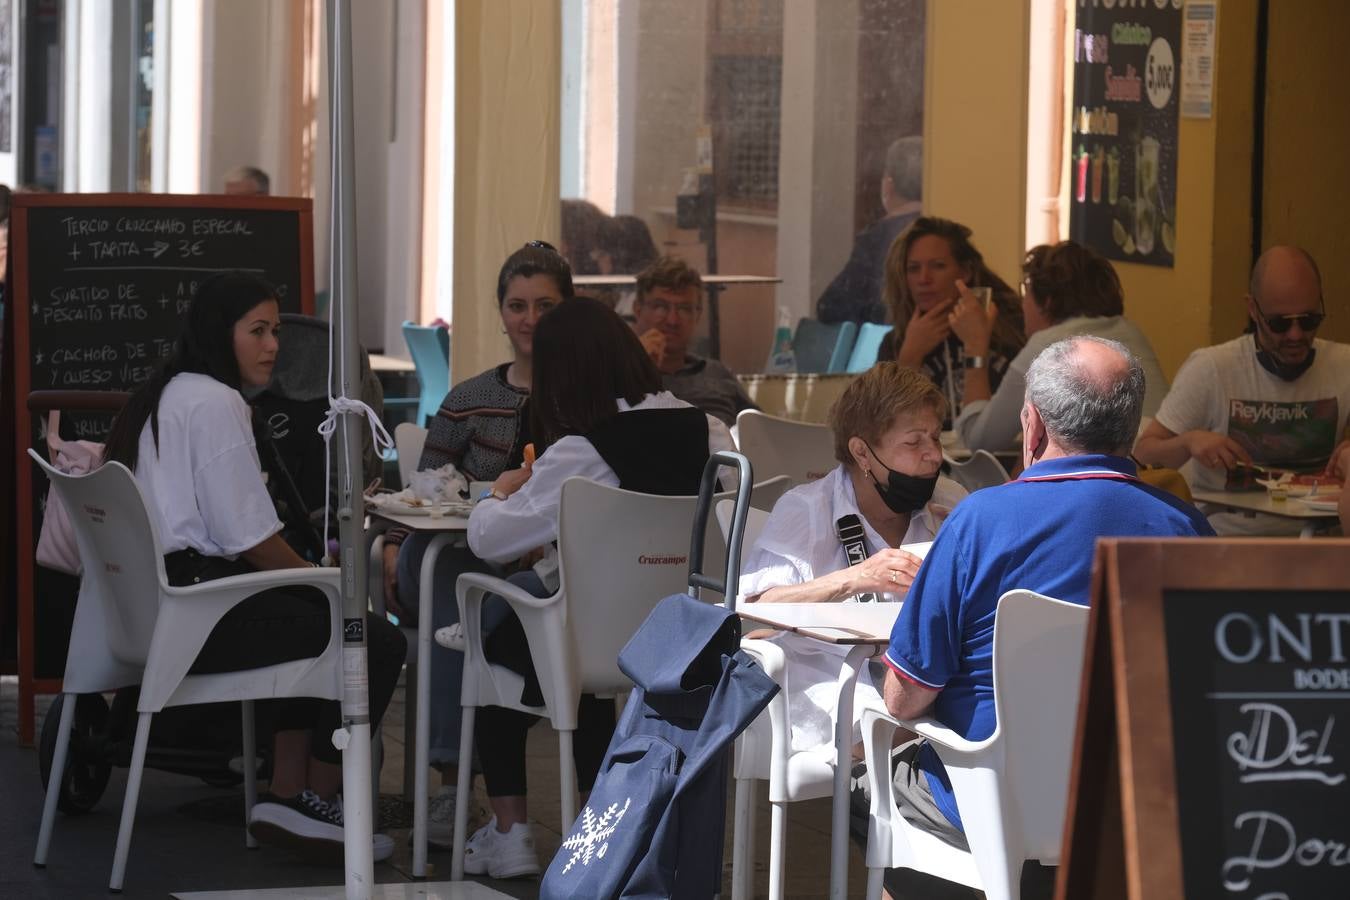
[[1321, 504], [398, 507]]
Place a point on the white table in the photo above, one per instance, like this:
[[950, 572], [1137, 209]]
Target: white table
[[863, 628], [444, 529], [1253, 502]]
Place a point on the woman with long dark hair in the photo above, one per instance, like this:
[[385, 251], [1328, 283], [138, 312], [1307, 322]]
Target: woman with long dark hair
[[931, 266], [598, 412], [186, 434]]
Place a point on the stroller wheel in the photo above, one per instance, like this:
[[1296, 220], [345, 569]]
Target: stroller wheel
[[88, 765]]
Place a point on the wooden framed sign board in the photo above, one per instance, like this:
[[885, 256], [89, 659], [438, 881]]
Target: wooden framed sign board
[[1213, 743], [99, 284]]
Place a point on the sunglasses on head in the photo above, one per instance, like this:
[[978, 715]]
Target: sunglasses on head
[[541, 245], [1281, 324]]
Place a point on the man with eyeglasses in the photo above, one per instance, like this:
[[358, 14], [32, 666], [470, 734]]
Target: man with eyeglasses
[[1276, 396], [666, 312]]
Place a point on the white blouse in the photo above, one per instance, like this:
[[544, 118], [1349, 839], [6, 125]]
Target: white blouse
[[799, 543], [503, 530], [204, 484]]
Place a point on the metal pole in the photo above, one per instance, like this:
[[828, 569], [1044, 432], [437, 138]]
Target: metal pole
[[358, 811]]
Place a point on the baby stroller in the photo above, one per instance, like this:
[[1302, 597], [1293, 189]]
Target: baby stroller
[[203, 740], [656, 818]]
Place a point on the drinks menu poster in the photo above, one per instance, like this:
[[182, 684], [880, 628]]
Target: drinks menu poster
[[1122, 180]]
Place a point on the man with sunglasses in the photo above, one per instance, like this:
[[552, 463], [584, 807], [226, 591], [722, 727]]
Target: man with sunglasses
[[666, 313], [1276, 396]]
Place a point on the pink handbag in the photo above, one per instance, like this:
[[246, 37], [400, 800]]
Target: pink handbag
[[56, 547]]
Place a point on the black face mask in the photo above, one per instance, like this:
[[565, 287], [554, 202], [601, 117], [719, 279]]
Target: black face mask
[[903, 494], [1284, 371]]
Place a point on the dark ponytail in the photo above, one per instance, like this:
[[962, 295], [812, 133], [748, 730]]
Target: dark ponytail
[[205, 346]]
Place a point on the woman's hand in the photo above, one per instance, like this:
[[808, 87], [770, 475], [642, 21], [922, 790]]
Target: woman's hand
[[972, 323], [512, 480], [925, 331], [890, 571]]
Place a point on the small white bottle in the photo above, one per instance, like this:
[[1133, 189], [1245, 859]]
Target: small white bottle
[[782, 361]]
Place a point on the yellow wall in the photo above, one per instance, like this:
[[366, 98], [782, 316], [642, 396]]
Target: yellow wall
[[975, 101], [508, 58], [1306, 195]]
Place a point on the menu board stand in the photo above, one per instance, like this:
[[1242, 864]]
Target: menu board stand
[[99, 284], [1208, 760]]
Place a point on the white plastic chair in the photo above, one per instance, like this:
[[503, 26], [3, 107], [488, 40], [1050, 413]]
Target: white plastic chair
[[612, 575], [763, 752], [982, 470], [132, 627], [803, 451], [1012, 786]]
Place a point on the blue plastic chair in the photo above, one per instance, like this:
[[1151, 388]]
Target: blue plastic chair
[[429, 347], [864, 354], [823, 348]]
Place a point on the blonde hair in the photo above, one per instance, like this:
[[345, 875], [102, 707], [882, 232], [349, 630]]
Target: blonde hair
[[876, 399]]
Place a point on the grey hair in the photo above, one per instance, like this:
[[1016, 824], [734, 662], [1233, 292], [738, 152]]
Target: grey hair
[[1084, 411], [251, 173], [904, 165]]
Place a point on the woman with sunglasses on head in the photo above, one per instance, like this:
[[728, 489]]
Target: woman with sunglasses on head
[[1277, 396], [186, 435], [1067, 290], [931, 266], [598, 412], [481, 428]]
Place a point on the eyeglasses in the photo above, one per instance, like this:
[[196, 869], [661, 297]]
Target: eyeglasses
[[1281, 324], [663, 308], [541, 245]]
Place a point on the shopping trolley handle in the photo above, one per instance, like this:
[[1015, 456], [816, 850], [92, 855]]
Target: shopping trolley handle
[[702, 512]]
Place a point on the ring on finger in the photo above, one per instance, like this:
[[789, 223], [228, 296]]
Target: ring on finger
[[895, 577]]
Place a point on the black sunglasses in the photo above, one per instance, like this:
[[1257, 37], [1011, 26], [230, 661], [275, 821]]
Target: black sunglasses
[[1281, 324], [541, 245]]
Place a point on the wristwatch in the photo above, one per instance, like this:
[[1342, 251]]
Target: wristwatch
[[492, 494], [975, 362]]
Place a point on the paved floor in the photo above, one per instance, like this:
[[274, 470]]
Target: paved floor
[[189, 837]]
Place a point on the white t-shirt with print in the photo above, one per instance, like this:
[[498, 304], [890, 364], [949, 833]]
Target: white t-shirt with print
[[1284, 424], [204, 485], [799, 543]]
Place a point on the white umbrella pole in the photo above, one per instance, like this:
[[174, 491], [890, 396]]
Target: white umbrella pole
[[358, 810]]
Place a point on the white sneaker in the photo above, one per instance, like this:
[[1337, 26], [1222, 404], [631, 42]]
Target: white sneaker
[[441, 817], [501, 855], [451, 637]]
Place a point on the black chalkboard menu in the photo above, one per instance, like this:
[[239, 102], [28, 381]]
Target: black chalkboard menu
[[1258, 682], [1213, 743], [99, 285]]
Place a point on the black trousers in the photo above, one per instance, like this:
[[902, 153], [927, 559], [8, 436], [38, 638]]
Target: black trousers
[[499, 733], [281, 625]]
